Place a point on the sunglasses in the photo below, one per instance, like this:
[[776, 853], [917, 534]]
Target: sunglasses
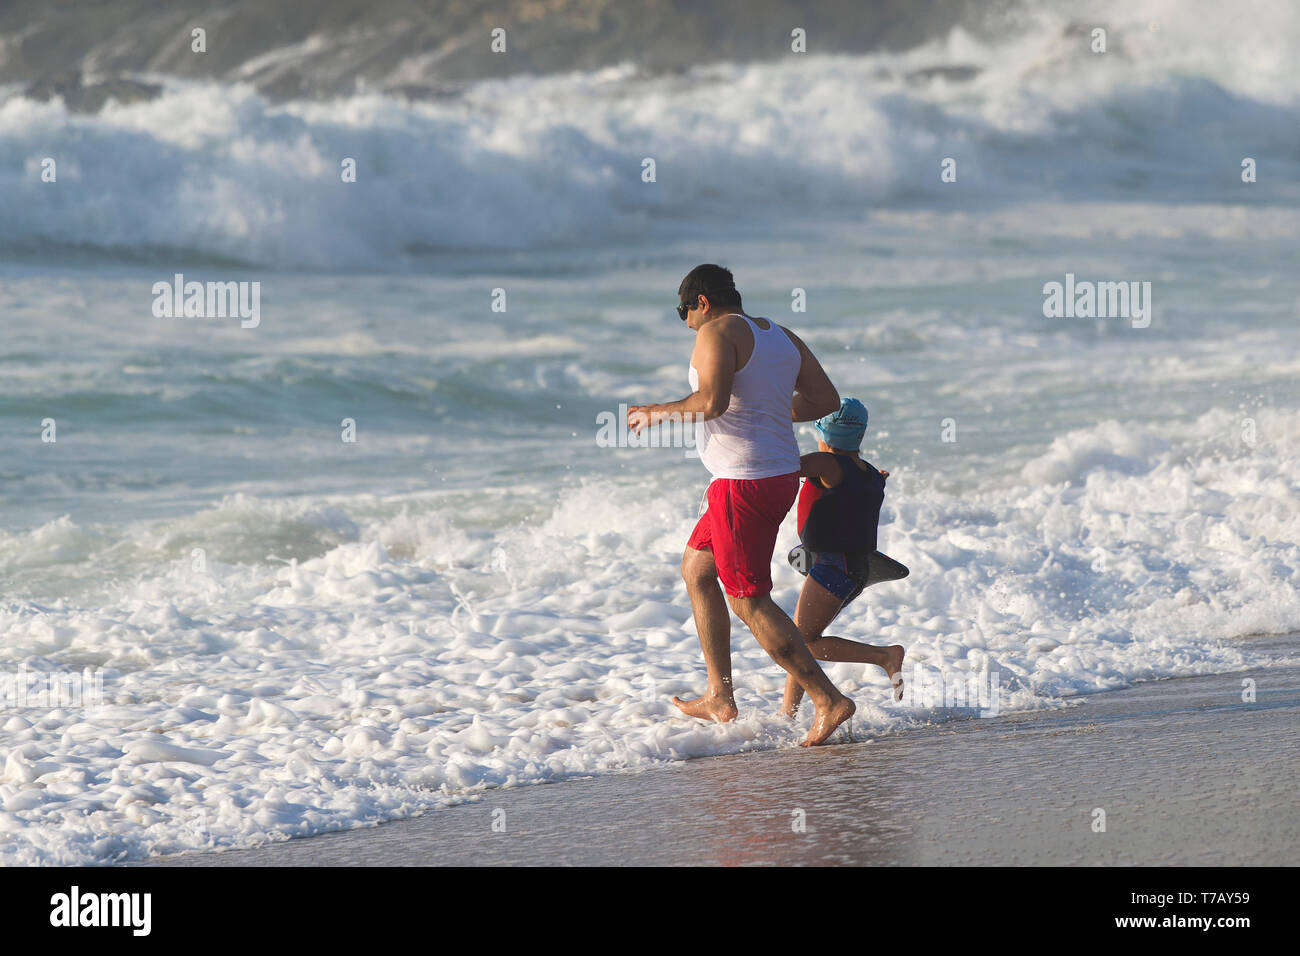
[[686, 307]]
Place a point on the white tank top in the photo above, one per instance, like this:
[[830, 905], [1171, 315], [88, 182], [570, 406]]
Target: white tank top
[[754, 437]]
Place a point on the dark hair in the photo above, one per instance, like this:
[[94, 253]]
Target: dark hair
[[712, 281]]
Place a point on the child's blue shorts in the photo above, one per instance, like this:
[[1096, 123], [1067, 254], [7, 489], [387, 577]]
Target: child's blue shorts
[[831, 571]]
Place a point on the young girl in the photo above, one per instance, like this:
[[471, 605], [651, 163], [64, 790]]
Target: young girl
[[839, 507]]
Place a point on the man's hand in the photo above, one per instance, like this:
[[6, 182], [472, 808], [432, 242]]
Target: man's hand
[[638, 417], [883, 473], [714, 361]]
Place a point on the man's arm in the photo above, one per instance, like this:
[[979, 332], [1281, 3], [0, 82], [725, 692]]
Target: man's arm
[[714, 359], [814, 394]]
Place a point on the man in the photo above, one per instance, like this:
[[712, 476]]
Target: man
[[752, 379], [839, 509]]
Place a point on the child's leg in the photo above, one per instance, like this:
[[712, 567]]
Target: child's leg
[[889, 659], [816, 609], [818, 605]]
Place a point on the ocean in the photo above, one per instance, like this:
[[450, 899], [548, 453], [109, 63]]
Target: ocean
[[367, 557]]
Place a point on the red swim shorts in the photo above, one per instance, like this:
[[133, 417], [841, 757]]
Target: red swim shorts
[[739, 525]]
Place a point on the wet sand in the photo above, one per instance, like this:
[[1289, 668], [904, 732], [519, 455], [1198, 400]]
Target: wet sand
[[1186, 772]]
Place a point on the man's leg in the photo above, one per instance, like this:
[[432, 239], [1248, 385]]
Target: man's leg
[[713, 624], [783, 642]]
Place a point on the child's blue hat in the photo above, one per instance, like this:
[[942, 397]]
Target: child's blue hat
[[844, 429]]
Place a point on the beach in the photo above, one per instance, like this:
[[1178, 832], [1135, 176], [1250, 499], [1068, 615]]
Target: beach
[[358, 546], [1188, 774]]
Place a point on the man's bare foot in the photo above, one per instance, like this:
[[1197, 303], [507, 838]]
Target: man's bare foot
[[707, 708], [893, 666], [790, 712], [824, 724]]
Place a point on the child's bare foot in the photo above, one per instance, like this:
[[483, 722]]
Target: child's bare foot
[[708, 708], [893, 666], [825, 723]]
